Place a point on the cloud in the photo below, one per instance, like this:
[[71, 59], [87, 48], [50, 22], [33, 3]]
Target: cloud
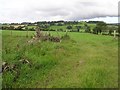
[[39, 10]]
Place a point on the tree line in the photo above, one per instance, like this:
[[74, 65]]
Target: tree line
[[72, 26]]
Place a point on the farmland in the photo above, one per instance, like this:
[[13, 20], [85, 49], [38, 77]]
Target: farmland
[[85, 60]]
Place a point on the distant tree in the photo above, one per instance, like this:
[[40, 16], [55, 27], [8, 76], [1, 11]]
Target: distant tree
[[95, 30], [100, 27], [119, 30], [69, 27], [78, 28], [110, 32], [87, 28], [95, 22], [75, 22], [111, 28], [44, 26], [19, 28], [7, 27], [60, 24], [11, 28]]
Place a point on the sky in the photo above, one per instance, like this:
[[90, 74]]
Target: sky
[[52, 10]]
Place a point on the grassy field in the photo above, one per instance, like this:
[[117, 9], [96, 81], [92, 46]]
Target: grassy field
[[84, 61]]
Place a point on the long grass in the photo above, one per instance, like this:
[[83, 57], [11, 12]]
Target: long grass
[[84, 61]]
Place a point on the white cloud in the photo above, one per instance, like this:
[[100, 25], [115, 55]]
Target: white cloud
[[38, 10]]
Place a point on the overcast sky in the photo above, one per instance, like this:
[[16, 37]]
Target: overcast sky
[[51, 10]]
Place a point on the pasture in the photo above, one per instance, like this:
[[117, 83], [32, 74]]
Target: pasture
[[83, 61]]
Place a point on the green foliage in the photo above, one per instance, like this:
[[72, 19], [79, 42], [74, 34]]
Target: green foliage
[[87, 28], [19, 28], [7, 27], [119, 29], [111, 29], [100, 27], [78, 28], [69, 27], [95, 30]]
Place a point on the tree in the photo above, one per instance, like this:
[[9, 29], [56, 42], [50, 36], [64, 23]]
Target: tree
[[110, 32], [60, 24], [119, 30], [87, 28], [95, 30], [11, 27], [100, 27], [69, 27], [111, 29], [19, 28], [78, 28]]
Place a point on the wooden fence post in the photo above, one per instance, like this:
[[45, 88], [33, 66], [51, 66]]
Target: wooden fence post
[[114, 33]]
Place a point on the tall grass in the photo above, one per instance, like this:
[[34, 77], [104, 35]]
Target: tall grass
[[83, 61]]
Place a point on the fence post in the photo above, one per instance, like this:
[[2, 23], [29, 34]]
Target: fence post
[[114, 33]]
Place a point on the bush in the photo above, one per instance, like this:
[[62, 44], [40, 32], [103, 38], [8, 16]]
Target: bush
[[69, 27], [110, 32]]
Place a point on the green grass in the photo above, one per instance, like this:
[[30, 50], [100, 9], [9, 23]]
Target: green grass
[[84, 61], [58, 27], [31, 27]]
